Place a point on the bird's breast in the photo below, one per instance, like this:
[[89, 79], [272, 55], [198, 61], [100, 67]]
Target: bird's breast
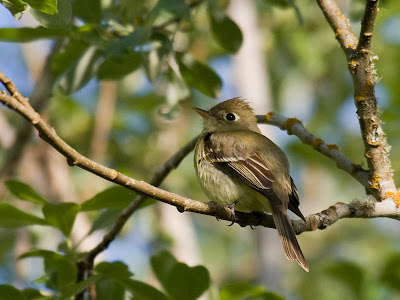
[[224, 189]]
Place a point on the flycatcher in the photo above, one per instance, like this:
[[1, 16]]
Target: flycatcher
[[237, 166]]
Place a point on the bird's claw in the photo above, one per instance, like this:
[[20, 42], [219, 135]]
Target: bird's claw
[[232, 208]]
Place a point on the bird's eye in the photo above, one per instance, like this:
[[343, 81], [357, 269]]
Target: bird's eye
[[230, 117]]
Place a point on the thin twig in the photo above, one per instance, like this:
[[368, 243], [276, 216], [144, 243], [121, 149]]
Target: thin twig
[[12, 89], [182, 203], [340, 26], [123, 217], [41, 94], [360, 62], [367, 25], [361, 210], [296, 127]]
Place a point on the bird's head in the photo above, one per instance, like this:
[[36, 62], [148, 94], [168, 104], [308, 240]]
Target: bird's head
[[232, 114]]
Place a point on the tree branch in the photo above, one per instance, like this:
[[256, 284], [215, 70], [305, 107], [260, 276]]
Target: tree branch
[[158, 177], [367, 25], [47, 133], [74, 158], [340, 25], [364, 210], [358, 55], [40, 96], [386, 208], [296, 127]]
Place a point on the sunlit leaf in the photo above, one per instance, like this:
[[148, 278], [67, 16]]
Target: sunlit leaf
[[16, 7], [116, 197], [24, 192], [45, 6], [26, 34], [240, 290], [59, 19]]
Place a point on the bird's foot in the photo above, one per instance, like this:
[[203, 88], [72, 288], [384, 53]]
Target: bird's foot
[[259, 215], [232, 208]]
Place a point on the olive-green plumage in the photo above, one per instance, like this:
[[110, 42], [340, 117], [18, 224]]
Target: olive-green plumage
[[235, 163]]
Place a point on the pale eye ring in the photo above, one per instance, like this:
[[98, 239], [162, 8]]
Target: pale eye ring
[[230, 117]]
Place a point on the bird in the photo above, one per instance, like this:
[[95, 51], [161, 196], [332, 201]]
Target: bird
[[240, 168]]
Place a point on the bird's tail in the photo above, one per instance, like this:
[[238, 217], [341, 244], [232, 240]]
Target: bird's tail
[[288, 237]]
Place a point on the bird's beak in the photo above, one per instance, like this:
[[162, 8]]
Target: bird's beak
[[203, 113]]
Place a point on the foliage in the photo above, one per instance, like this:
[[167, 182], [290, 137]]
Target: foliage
[[165, 57]]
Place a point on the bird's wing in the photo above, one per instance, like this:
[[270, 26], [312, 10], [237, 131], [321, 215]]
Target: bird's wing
[[294, 201], [228, 154], [232, 157]]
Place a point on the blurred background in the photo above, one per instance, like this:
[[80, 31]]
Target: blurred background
[[289, 62]]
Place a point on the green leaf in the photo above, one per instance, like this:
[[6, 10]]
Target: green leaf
[[141, 290], [162, 264], [105, 219], [61, 272], [76, 288], [179, 280], [225, 31], [390, 274], [177, 8], [80, 73], [45, 6], [116, 197], [60, 19], [33, 294], [61, 215], [187, 283], [117, 66], [114, 270], [107, 289], [240, 290], [8, 292], [66, 58], [12, 217], [88, 10], [199, 75], [38, 253], [25, 34], [265, 296], [16, 7], [349, 274], [24, 192], [139, 37]]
